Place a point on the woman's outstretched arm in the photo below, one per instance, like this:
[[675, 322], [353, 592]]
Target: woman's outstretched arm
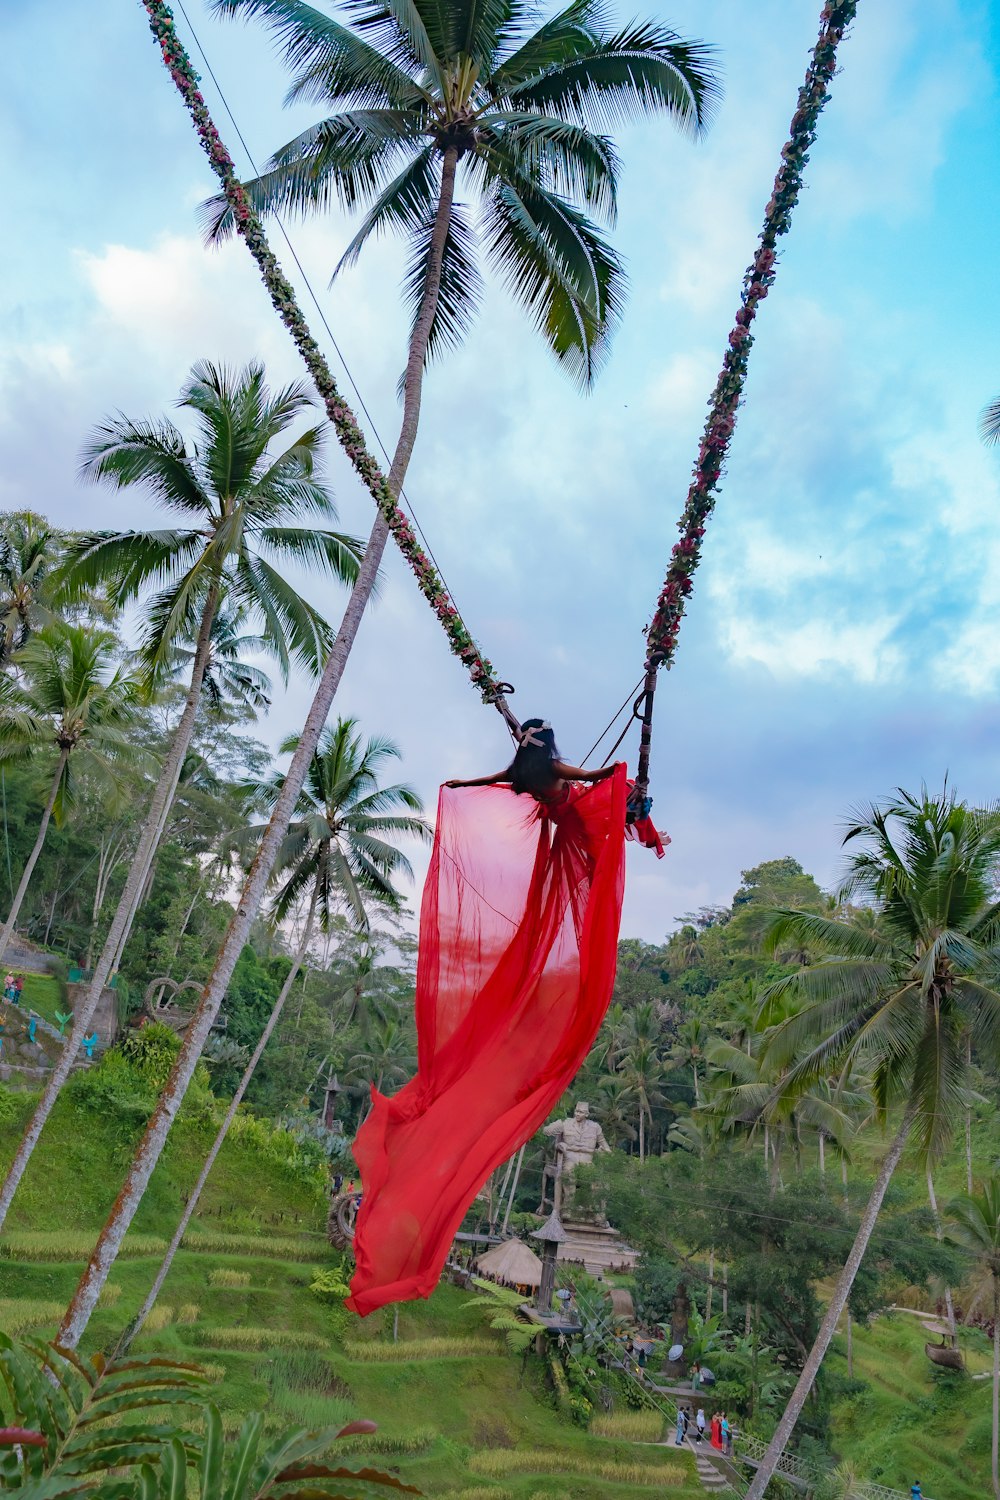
[[493, 780], [577, 773]]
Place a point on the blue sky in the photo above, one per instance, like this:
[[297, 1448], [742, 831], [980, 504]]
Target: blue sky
[[843, 637]]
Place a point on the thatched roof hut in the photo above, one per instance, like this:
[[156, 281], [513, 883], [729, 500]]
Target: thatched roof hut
[[512, 1262]]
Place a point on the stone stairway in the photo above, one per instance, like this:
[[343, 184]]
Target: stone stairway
[[711, 1476]]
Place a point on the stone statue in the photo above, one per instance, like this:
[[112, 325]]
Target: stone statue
[[578, 1141]]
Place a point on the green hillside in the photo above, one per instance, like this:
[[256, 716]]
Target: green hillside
[[915, 1421], [456, 1413]]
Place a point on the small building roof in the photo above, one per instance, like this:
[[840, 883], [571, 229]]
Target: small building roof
[[512, 1261], [551, 1230]]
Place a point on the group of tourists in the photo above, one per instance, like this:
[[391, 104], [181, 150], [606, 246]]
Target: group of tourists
[[12, 987], [719, 1429]]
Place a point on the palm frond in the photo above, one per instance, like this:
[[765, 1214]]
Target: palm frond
[[460, 291], [644, 67], [404, 204], [556, 264]]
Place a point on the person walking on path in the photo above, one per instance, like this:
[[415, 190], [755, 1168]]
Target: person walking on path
[[18, 987], [727, 1436], [717, 1432], [916, 1493], [700, 1423], [682, 1422]]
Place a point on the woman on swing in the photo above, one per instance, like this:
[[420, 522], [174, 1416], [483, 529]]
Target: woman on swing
[[537, 769]]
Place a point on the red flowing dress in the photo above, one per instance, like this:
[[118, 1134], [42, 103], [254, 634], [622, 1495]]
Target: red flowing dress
[[518, 945]]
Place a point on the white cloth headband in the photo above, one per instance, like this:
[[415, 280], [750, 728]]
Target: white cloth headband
[[528, 736]]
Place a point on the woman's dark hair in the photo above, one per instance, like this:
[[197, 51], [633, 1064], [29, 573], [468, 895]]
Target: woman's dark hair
[[533, 767]]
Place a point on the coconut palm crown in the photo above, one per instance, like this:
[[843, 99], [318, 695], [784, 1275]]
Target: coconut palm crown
[[342, 838], [237, 502], [516, 105], [894, 1000]]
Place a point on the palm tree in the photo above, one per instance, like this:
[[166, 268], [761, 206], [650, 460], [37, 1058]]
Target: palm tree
[[343, 836], [642, 1072], [975, 1224], [693, 1041], [433, 101], [29, 550], [389, 1055], [236, 501], [229, 676], [615, 84], [75, 701], [341, 851], [893, 1001]]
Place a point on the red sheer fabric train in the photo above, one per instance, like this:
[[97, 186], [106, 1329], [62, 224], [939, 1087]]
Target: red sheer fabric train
[[518, 943]]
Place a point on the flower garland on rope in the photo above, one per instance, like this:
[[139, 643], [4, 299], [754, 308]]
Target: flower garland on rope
[[662, 631], [282, 294]]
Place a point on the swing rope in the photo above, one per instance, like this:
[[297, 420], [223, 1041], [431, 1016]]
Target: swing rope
[[345, 424], [661, 633]]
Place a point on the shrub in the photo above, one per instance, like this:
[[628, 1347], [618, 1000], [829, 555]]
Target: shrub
[[628, 1426], [499, 1463], [151, 1050], [303, 1371], [274, 1246], [189, 1312], [418, 1440], [225, 1276], [373, 1352], [18, 1314], [254, 1339], [160, 1316], [332, 1284], [72, 1244], [485, 1492], [110, 1293]]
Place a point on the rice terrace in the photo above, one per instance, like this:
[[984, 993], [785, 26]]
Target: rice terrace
[[586, 1086]]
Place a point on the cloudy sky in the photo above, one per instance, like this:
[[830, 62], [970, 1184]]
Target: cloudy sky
[[843, 638]]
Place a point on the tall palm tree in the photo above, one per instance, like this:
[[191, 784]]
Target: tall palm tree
[[341, 850], [620, 86], [237, 502], [484, 121], [29, 551], [344, 835], [893, 1001], [642, 1071], [974, 1220], [75, 701], [389, 1054], [693, 1038], [230, 677]]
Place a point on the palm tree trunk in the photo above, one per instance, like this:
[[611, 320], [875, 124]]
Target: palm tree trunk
[[725, 1293], [711, 1283], [939, 1235], [29, 869], [513, 1191], [850, 1345], [838, 1301], [694, 1070], [641, 1136], [968, 1116], [121, 924], [822, 1154], [996, 1388], [151, 1146], [135, 1327]]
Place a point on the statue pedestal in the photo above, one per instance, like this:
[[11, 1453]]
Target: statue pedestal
[[596, 1247]]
